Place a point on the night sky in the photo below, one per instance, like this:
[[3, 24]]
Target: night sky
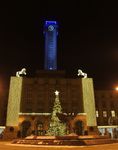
[[88, 38]]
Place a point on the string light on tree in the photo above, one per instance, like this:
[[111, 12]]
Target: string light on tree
[[56, 127]]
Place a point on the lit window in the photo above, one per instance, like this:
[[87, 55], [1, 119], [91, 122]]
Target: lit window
[[104, 113], [97, 113], [113, 113]]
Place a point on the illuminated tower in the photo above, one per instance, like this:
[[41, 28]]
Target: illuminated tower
[[50, 32]]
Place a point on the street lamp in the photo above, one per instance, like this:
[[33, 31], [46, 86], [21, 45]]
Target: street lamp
[[116, 88]]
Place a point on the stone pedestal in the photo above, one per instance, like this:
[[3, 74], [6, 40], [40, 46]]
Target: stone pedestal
[[13, 108], [10, 132], [88, 102]]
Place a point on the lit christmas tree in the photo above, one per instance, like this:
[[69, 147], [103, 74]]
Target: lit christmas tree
[[56, 128]]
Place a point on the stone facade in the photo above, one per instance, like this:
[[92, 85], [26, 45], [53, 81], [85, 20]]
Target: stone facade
[[31, 99], [106, 107]]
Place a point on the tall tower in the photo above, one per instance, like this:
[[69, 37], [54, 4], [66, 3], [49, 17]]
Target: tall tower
[[50, 32]]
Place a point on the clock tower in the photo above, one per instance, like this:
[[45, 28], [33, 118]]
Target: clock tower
[[50, 32]]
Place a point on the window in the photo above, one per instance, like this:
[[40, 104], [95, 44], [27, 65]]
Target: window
[[113, 113], [97, 113], [104, 113]]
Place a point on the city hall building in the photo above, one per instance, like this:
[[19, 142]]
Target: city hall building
[[31, 100]]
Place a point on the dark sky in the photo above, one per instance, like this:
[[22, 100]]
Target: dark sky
[[88, 37]]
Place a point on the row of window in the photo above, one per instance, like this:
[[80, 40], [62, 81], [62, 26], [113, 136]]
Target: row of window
[[105, 113]]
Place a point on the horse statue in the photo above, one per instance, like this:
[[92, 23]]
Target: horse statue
[[81, 73], [21, 73]]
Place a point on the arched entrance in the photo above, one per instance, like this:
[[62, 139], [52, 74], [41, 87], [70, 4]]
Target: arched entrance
[[25, 127], [39, 128], [79, 127]]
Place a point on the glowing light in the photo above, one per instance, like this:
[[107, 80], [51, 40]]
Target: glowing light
[[116, 88], [56, 93], [50, 22]]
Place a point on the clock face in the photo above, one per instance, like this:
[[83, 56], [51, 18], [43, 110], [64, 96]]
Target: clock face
[[50, 28]]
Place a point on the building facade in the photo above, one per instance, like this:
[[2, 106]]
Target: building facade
[[31, 101], [107, 111], [106, 107]]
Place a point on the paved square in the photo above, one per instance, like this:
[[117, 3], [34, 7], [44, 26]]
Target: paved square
[[9, 146]]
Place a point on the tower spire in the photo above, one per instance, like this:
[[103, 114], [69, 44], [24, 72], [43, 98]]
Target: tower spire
[[50, 32]]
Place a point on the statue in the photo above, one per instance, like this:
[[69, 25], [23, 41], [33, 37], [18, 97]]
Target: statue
[[80, 73], [21, 73]]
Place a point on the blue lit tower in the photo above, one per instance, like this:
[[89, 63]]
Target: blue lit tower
[[50, 32]]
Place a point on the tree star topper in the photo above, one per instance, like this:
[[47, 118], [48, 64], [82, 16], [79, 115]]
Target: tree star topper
[[56, 93]]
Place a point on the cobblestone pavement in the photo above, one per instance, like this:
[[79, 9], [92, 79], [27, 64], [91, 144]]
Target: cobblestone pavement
[[9, 146]]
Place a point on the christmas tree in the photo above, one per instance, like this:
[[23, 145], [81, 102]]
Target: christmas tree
[[56, 128]]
